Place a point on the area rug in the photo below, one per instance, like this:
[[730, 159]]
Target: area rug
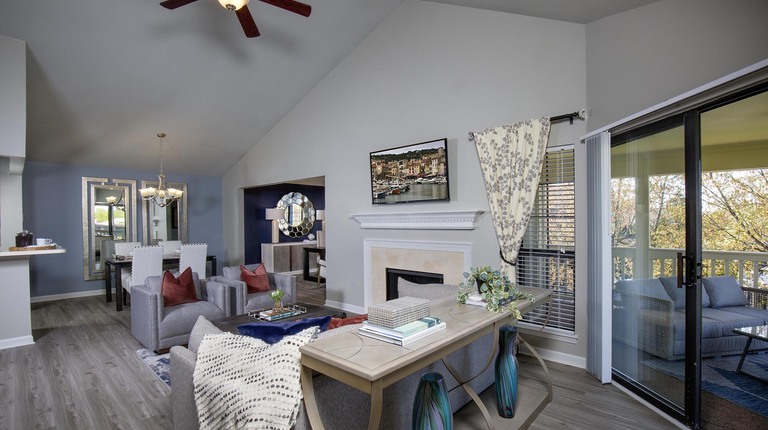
[[719, 377], [159, 364]]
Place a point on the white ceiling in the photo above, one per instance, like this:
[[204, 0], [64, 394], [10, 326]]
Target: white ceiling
[[105, 76]]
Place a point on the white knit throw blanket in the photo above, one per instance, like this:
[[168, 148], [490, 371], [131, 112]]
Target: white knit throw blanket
[[245, 383]]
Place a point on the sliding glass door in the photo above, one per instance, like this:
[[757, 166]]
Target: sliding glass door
[[688, 199], [648, 239]]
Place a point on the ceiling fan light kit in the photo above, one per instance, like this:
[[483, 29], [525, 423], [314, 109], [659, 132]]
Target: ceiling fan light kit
[[244, 15], [233, 4]]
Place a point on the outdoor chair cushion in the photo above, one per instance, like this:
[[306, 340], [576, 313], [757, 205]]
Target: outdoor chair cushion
[[724, 291], [678, 294]]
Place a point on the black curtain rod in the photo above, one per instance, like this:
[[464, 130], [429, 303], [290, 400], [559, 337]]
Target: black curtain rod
[[569, 116]]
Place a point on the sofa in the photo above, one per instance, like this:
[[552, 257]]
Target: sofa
[[341, 406], [243, 302], [649, 314]]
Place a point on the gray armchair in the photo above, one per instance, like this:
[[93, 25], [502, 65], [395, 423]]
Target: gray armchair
[[242, 302], [158, 327]]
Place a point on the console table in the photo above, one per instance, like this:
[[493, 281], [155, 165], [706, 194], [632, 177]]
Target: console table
[[370, 365]]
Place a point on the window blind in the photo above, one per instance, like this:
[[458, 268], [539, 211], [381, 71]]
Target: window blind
[[547, 256]]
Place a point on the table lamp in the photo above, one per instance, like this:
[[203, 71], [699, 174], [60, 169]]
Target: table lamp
[[274, 214]]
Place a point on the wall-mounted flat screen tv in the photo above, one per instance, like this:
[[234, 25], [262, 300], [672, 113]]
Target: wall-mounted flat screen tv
[[411, 173]]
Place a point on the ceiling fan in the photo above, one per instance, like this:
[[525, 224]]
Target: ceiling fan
[[243, 14]]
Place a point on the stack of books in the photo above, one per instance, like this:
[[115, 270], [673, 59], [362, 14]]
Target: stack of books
[[404, 334]]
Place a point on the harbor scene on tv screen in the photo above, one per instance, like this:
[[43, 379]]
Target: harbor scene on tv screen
[[411, 173]]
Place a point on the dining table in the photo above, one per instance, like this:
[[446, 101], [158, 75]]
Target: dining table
[[116, 264]]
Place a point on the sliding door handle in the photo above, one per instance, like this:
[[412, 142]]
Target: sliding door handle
[[680, 269]]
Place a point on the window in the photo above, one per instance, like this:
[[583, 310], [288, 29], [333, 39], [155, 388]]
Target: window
[[547, 258]]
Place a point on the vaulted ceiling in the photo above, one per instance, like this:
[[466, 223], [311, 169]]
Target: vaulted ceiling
[[105, 76]]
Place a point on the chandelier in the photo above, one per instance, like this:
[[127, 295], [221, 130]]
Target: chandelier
[[116, 202], [161, 195]]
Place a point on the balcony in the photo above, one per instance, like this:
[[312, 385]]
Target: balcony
[[749, 268]]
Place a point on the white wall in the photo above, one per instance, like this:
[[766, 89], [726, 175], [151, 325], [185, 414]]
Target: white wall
[[647, 55], [13, 128], [429, 71]]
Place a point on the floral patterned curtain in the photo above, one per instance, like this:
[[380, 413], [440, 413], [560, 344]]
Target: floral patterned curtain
[[511, 157]]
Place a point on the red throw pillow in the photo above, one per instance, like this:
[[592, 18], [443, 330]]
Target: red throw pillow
[[178, 290], [257, 281], [338, 322]]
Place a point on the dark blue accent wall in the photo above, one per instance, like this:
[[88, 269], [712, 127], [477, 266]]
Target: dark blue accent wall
[[52, 208], [257, 229]]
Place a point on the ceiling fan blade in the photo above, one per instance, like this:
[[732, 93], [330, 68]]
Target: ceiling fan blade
[[173, 4], [291, 6], [246, 20]]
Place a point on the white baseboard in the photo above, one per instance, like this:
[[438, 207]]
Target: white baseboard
[[52, 297], [558, 357], [16, 341], [344, 306]]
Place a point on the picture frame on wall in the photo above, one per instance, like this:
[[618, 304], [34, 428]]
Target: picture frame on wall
[[411, 173]]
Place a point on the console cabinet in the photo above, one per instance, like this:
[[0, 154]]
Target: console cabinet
[[285, 257]]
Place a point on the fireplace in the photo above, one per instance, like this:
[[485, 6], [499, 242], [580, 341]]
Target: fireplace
[[414, 276], [449, 259]]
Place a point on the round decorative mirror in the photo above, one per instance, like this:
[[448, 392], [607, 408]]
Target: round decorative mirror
[[299, 215]]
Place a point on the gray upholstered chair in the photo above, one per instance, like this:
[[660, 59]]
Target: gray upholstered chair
[[158, 327], [242, 302]]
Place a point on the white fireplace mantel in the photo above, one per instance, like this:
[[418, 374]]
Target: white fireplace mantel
[[453, 220]]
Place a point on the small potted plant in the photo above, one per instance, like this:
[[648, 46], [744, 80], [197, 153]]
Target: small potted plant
[[493, 288], [277, 296]]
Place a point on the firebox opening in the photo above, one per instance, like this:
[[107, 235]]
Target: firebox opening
[[409, 275]]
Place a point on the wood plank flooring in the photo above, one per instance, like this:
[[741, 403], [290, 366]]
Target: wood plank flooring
[[83, 373]]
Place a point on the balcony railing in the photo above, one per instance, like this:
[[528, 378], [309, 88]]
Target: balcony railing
[[749, 268]]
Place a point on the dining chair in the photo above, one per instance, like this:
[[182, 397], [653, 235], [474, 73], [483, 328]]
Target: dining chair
[[147, 261], [125, 248], [194, 255], [170, 246]]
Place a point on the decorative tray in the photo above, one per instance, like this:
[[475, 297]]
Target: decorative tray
[[271, 315]]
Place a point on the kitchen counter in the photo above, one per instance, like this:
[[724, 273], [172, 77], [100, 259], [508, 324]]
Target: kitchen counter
[[15, 306]]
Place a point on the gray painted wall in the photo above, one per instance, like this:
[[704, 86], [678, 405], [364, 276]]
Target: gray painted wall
[[647, 55], [13, 97], [13, 125], [52, 208], [429, 71]]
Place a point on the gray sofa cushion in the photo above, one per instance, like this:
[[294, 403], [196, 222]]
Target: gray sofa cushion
[[724, 291], [678, 294], [201, 328], [426, 291]]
